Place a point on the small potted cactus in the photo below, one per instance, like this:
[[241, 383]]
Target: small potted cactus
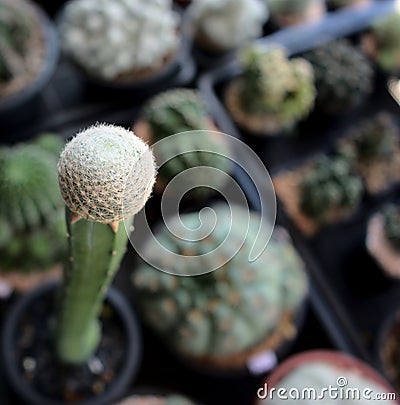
[[382, 43], [173, 112], [72, 346], [293, 12], [373, 146], [383, 239], [343, 76], [272, 94], [352, 381], [320, 192], [215, 23], [208, 317], [32, 225], [122, 44], [28, 56]]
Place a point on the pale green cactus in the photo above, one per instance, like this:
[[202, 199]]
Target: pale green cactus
[[106, 175], [213, 314]]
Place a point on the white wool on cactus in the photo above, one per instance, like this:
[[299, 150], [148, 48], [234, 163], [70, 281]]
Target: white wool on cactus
[[110, 38], [106, 174], [229, 23]]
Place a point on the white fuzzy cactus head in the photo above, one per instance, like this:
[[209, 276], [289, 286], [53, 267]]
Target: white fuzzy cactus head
[[229, 23], [109, 38], [106, 174]]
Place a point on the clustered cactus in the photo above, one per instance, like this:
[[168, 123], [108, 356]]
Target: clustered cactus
[[274, 92], [31, 209], [330, 185], [106, 175], [21, 45], [391, 218], [120, 39], [210, 317], [386, 36], [343, 76], [174, 112], [374, 139], [218, 21]]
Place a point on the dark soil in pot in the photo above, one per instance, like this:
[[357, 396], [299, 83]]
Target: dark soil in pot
[[37, 377]]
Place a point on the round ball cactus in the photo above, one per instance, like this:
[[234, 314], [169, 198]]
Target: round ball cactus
[[386, 42], [121, 39], [330, 185], [210, 317], [22, 47], [106, 174], [177, 111], [218, 21], [31, 227], [274, 92], [343, 76]]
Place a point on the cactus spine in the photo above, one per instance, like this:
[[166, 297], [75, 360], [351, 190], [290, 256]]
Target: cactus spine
[[94, 190]]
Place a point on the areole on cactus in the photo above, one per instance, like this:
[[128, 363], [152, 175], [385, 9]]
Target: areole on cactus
[[106, 175]]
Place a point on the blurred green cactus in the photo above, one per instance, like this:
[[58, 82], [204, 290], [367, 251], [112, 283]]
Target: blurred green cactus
[[180, 110], [212, 314], [343, 76], [386, 34], [391, 216], [31, 208], [276, 88], [330, 185], [374, 139]]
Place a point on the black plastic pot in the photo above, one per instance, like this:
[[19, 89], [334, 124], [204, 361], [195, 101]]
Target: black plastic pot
[[124, 319], [18, 108]]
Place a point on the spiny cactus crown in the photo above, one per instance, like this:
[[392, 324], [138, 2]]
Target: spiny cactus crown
[[274, 85], [289, 7], [391, 215], [329, 185], [15, 31], [31, 208], [386, 33], [219, 20], [213, 314], [343, 75], [180, 110], [111, 38], [106, 174], [174, 111], [375, 138]]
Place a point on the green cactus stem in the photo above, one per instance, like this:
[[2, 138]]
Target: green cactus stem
[[106, 175]]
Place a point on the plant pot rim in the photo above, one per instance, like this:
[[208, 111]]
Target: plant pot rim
[[339, 359], [51, 55], [128, 368]]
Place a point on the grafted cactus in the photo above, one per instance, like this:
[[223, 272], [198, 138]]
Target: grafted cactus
[[180, 110], [386, 37], [274, 92], [330, 185], [122, 39], [21, 45], [106, 175], [343, 76], [374, 139], [210, 317], [216, 22], [31, 208]]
